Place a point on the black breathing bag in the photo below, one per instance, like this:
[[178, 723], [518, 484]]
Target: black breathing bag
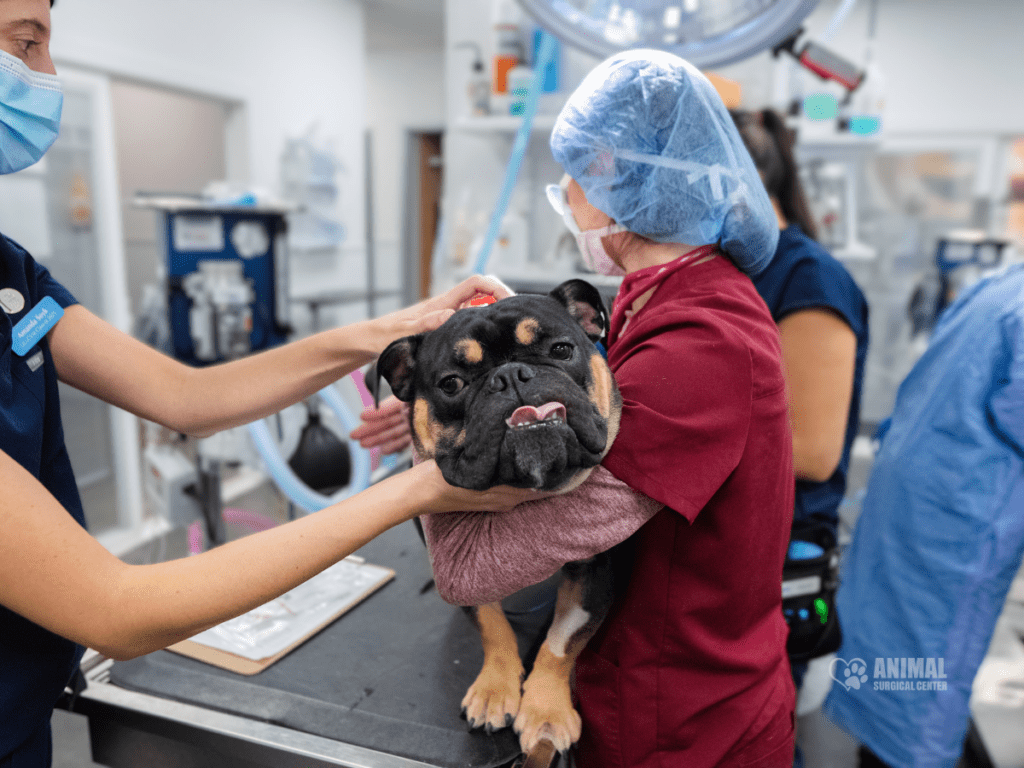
[[321, 460]]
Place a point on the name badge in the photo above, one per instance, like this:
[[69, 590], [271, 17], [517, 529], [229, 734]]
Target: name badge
[[36, 324]]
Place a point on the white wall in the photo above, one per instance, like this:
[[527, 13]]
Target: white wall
[[290, 64], [166, 140], [404, 92], [951, 67]]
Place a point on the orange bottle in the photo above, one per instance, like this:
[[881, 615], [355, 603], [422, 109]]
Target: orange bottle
[[505, 57]]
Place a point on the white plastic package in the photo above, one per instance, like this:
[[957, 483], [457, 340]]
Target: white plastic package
[[298, 614]]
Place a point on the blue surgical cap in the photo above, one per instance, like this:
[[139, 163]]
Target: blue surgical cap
[[652, 145]]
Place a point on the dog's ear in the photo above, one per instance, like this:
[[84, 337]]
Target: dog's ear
[[586, 306], [397, 364]]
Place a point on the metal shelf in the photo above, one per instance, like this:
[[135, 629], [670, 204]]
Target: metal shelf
[[503, 123]]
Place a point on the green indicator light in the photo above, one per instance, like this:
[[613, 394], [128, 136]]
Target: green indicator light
[[821, 609]]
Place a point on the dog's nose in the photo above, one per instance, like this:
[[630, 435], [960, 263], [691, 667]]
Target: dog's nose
[[507, 375]]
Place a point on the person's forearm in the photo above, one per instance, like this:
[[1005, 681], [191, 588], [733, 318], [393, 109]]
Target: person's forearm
[[242, 391], [480, 557], [55, 574], [235, 393], [157, 605], [93, 356], [153, 606]]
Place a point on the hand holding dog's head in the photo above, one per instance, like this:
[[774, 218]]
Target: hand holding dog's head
[[514, 393]]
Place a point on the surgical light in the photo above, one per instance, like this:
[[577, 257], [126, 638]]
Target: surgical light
[[707, 33]]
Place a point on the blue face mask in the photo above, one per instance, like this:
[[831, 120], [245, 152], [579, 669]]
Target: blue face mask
[[30, 106]]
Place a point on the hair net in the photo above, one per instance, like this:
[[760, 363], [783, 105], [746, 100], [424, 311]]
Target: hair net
[[652, 145]]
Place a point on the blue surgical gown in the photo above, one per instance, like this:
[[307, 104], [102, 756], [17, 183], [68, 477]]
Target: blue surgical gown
[[940, 537]]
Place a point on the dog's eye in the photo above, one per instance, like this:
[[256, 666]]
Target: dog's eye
[[561, 351], [451, 385]]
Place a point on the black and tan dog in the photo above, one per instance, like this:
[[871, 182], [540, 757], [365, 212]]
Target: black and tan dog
[[516, 393]]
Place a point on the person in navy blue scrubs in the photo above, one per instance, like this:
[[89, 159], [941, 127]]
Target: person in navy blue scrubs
[[59, 588], [822, 317]]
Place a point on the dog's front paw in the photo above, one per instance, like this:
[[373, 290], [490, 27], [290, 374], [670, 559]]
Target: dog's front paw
[[546, 712], [492, 701]]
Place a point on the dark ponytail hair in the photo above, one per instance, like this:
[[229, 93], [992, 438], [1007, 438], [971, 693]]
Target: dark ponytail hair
[[770, 144]]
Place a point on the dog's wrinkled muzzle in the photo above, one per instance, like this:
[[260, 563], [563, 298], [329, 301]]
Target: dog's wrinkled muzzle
[[540, 445]]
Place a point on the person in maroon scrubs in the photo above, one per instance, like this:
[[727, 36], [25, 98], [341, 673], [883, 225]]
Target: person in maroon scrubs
[[690, 667]]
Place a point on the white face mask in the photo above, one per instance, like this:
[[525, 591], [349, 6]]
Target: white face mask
[[591, 248]]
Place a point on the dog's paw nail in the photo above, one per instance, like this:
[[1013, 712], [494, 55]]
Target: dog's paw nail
[[489, 729], [462, 713], [509, 720]]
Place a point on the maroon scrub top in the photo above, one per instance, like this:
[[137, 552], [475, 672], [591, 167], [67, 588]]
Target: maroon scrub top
[[690, 668]]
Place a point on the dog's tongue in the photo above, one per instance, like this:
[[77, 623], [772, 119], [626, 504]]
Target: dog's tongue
[[527, 414]]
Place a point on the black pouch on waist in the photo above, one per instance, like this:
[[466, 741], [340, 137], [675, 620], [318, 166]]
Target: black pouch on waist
[[808, 603]]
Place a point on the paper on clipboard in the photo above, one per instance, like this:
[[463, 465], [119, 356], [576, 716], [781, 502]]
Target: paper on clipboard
[[265, 634]]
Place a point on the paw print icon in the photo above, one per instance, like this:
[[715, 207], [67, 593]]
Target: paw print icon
[[854, 673]]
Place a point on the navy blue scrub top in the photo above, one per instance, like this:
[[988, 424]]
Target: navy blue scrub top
[[35, 664], [803, 275]]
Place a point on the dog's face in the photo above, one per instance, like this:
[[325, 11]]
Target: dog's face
[[513, 393]]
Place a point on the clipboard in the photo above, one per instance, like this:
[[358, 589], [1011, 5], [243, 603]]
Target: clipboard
[[361, 579]]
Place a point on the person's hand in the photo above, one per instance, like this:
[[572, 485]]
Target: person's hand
[[442, 497], [385, 427], [432, 313]]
